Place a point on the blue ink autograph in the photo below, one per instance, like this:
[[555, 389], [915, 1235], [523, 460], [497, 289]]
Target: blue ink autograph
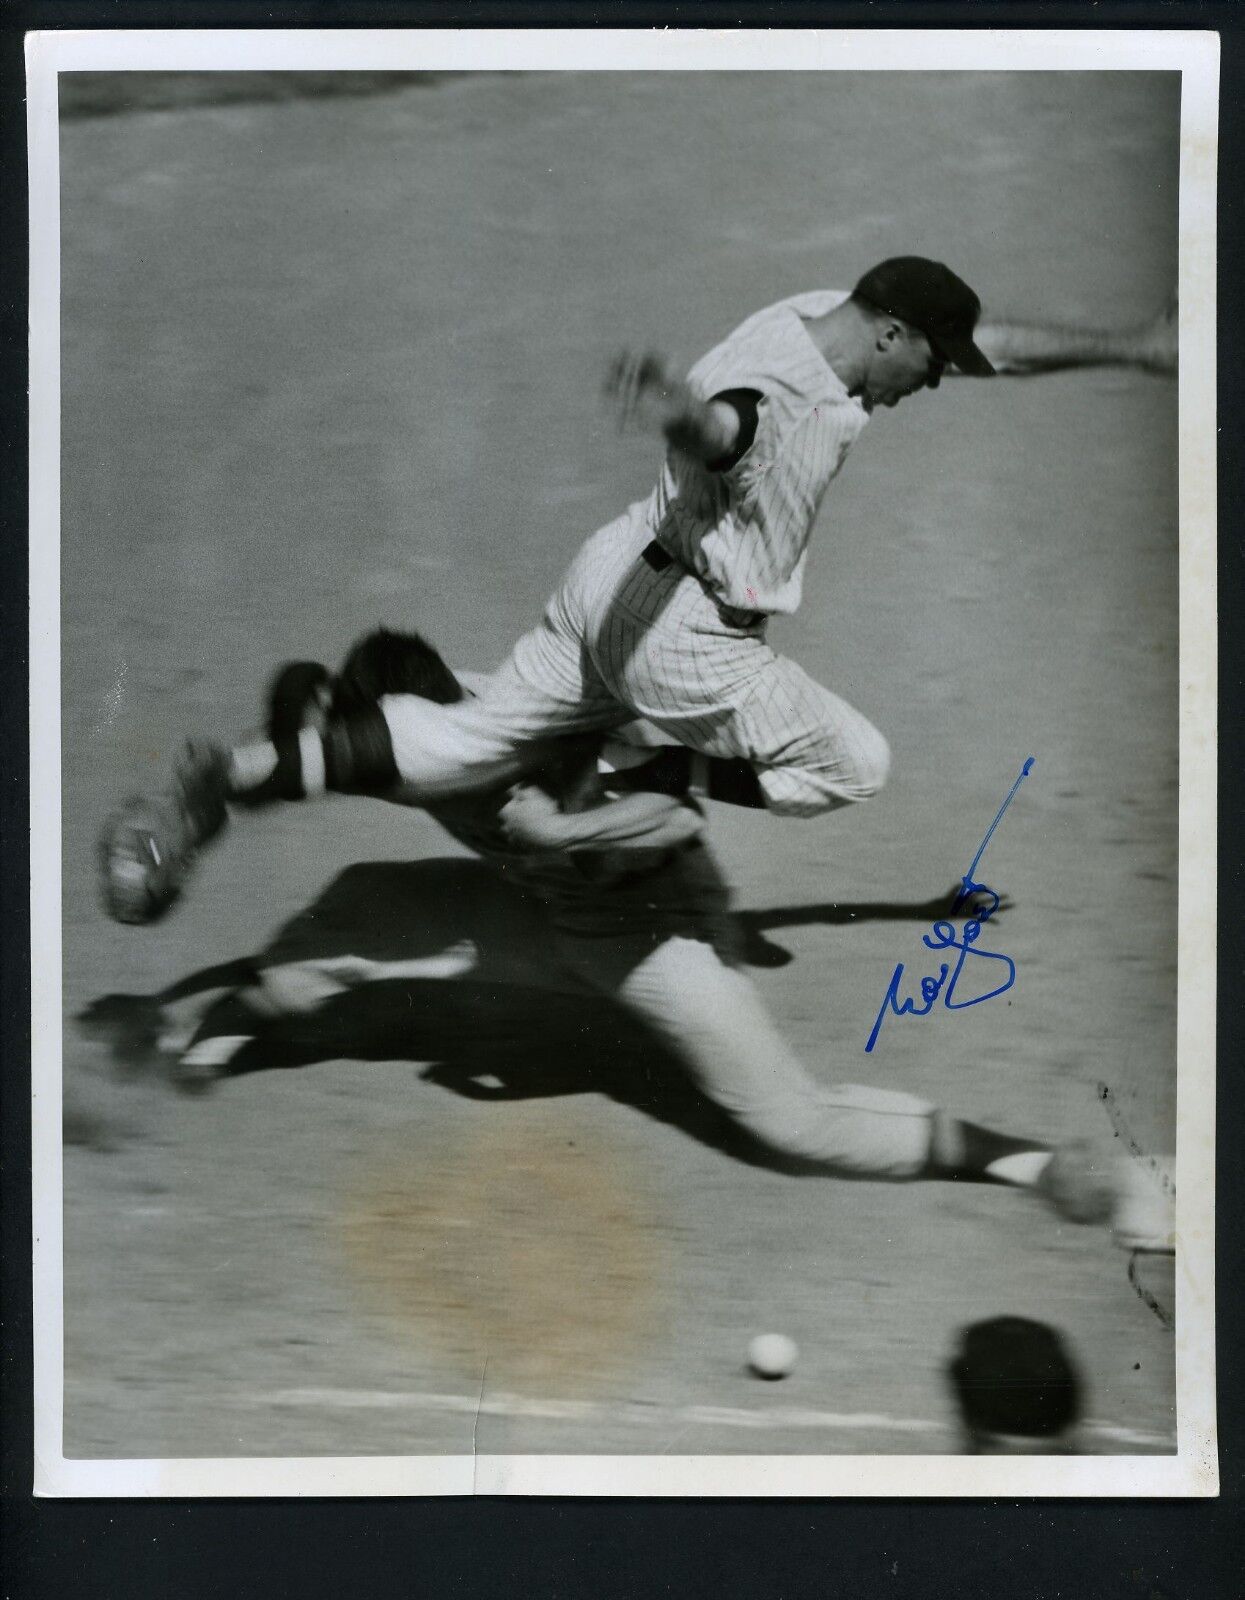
[[945, 936]]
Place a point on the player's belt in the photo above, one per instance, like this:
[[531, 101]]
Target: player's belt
[[660, 559]]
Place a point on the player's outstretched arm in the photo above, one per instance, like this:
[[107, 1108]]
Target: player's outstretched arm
[[1022, 349], [649, 397]]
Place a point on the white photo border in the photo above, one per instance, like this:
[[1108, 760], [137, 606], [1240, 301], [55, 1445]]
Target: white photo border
[[1193, 1469]]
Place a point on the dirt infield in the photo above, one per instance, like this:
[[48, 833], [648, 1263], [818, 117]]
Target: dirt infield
[[333, 361]]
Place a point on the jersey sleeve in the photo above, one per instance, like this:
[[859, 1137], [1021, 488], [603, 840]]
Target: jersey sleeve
[[744, 403], [779, 493]]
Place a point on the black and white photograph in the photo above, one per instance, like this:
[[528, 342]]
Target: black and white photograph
[[623, 751]]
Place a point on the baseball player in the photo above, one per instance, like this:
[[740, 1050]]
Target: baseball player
[[663, 613], [636, 908]]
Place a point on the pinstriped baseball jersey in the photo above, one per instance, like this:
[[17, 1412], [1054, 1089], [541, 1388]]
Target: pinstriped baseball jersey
[[745, 530], [624, 636]]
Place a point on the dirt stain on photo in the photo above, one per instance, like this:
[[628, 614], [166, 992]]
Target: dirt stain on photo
[[534, 1250]]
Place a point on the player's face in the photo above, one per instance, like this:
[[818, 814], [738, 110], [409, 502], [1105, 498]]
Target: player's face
[[903, 362]]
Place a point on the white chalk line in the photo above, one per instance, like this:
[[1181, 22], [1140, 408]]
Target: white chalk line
[[552, 1410]]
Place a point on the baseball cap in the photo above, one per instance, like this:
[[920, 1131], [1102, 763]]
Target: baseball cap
[[930, 297], [1013, 1376]]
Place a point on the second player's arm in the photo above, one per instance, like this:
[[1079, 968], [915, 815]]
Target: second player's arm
[[533, 820], [1020, 349]]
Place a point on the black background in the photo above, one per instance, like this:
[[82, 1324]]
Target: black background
[[1024, 1550]]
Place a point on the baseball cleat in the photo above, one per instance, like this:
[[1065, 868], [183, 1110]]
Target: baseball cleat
[[1091, 1183], [147, 848], [1080, 1182], [1144, 1217], [143, 859]]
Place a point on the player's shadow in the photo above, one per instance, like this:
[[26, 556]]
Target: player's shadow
[[512, 1027]]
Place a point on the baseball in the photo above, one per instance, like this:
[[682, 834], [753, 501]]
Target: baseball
[[772, 1355]]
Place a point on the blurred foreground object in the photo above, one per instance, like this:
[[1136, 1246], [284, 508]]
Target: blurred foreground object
[[1021, 349], [1017, 1389]]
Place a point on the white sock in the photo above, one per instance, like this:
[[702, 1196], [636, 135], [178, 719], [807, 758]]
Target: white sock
[[250, 765], [1023, 1168]]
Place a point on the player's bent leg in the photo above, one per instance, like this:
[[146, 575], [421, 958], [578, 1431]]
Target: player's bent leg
[[418, 749], [710, 681], [545, 690], [813, 752], [440, 751], [403, 748], [851, 766]]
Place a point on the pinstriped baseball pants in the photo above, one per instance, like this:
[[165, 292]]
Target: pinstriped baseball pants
[[621, 639]]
